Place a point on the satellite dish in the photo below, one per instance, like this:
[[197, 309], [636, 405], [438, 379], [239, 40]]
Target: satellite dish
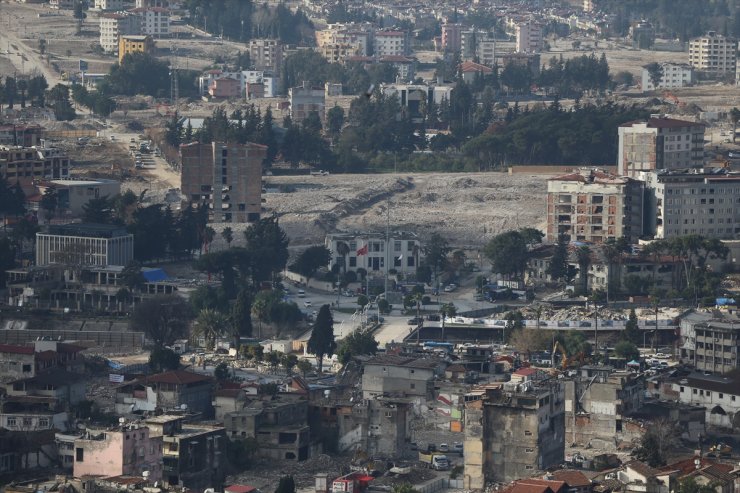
[[123, 420], [145, 474], [184, 407]]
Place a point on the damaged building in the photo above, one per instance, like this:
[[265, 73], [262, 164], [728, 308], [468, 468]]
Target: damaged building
[[513, 430]]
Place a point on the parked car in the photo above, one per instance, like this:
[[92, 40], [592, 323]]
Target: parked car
[[450, 288], [307, 303], [415, 321], [301, 293], [457, 447], [443, 447], [433, 317]]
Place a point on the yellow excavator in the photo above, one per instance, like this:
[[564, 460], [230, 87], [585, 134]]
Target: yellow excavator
[[559, 348]]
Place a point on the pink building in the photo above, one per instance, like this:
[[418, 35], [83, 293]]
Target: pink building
[[225, 88], [126, 450]]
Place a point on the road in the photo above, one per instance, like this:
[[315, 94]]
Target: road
[[23, 58]]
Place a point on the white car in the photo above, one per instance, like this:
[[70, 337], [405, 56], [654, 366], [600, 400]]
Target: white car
[[307, 303]]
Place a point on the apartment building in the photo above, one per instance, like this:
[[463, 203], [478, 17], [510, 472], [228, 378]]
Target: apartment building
[[266, 54], [25, 164], [304, 99], [245, 78], [400, 376], [710, 342], [593, 206], [718, 394], [124, 450], [358, 35], [227, 177], [336, 52], [84, 245], [451, 37], [114, 25], [110, 4], [134, 44], [72, 195], [713, 53], [529, 37], [694, 201], [512, 431], [412, 97], [391, 43], [62, 4], [155, 21], [24, 135], [675, 75], [659, 143], [171, 390], [400, 252]]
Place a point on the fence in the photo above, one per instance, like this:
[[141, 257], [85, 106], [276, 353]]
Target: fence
[[101, 339]]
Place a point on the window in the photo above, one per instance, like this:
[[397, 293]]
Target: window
[[721, 396], [413, 386], [693, 391], [527, 433], [79, 454], [353, 261], [26, 368], [682, 390], [27, 422], [43, 422], [529, 450], [11, 422]]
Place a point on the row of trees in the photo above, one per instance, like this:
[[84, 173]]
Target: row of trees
[[242, 20], [23, 91]]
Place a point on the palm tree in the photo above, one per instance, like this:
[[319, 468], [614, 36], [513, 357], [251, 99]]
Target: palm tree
[[228, 235], [210, 325], [446, 310], [259, 310], [343, 250]]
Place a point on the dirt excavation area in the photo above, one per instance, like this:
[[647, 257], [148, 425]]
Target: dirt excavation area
[[467, 209]]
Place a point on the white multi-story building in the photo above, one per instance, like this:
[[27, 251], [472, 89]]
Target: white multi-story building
[[155, 21], [720, 395], [659, 143], [84, 245], [713, 53], [692, 201], [115, 25], [110, 4], [391, 43], [374, 252], [62, 4], [674, 75], [358, 35], [271, 84], [528, 37]]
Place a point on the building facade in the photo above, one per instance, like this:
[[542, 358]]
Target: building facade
[[675, 75], [155, 21], [84, 245], [659, 143], [528, 37], [710, 342], [513, 431], [115, 25], [130, 44], [72, 195], [399, 252], [393, 43], [719, 395], [304, 99], [227, 177], [125, 450], [399, 376], [451, 37], [684, 202], [266, 54], [25, 164], [713, 53], [593, 206]]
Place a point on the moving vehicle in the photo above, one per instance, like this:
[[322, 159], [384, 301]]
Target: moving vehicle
[[301, 293], [433, 460]]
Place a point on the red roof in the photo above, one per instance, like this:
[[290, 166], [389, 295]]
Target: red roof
[[575, 479], [536, 486], [10, 348], [525, 372], [239, 488], [469, 66], [178, 377]]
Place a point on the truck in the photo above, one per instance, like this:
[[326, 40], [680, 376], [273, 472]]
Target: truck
[[432, 460]]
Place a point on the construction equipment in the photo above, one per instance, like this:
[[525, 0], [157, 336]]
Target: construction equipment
[[564, 357]]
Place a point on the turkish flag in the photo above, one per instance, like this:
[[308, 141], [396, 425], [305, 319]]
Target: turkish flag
[[362, 251]]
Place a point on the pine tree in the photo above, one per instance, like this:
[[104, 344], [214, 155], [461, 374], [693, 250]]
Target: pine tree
[[321, 343]]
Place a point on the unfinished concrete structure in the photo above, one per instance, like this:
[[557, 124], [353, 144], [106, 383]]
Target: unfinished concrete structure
[[513, 431], [597, 402], [399, 376], [225, 176], [593, 206]]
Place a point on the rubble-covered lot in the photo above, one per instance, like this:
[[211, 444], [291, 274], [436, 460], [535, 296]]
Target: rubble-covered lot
[[468, 209]]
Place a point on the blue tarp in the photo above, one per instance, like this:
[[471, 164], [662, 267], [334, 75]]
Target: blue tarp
[[725, 301], [154, 275]]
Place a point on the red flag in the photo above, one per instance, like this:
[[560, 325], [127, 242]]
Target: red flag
[[362, 251]]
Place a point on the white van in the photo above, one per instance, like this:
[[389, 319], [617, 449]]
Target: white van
[[301, 293]]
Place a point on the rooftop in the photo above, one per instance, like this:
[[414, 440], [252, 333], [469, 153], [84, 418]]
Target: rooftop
[[405, 361], [89, 230]]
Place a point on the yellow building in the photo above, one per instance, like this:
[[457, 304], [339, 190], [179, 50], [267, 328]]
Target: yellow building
[[134, 44]]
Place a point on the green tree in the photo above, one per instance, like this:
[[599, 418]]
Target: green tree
[[163, 359], [286, 485], [558, 268], [163, 318], [97, 210], [655, 73], [631, 329], [627, 350], [310, 260], [241, 316], [221, 372], [304, 366], [50, 201], [334, 121], [210, 325], [42, 46], [7, 258], [288, 361], [267, 246], [132, 277], [435, 254], [358, 342], [507, 253], [321, 343], [583, 256], [689, 485], [228, 235]]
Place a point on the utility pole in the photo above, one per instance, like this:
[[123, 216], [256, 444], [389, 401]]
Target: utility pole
[[387, 247]]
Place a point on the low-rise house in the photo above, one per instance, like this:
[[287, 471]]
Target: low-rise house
[[718, 394], [23, 451], [128, 449], [400, 376], [26, 361], [176, 389], [576, 481], [194, 455], [638, 477]]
